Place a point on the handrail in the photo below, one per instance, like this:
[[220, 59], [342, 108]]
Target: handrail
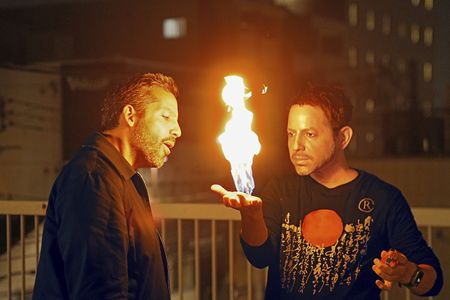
[[23, 207], [425, 216]]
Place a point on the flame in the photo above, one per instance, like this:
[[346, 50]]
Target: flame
[[239, 143]]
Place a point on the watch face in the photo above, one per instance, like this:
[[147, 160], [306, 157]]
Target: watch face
[[417, 278]]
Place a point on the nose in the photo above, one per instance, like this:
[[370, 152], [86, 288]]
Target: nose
[[176, 130], [299, 143]]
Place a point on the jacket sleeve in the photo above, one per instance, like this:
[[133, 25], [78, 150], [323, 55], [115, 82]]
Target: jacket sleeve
[[405, 236], [93, 238], [265, 254]]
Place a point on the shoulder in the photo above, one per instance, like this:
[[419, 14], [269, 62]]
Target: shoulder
[[372, 181], [86, 187], [89, 166], [380, 190]]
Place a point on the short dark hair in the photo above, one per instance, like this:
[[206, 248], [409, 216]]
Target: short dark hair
[[332, 100], [135, 92]]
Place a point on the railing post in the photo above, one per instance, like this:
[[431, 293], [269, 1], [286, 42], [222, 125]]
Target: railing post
[[230, 259], [22, 256], [36, 240], [213, 261], [197, 260], [8, 255], [180, 258]]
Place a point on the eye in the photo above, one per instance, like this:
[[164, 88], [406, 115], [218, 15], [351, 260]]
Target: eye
[[166, 116], [310, 134], [291, 133]]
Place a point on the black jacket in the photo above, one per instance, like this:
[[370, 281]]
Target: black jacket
[[99, 239]]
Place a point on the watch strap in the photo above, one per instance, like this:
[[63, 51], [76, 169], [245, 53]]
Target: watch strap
[[415, 280]]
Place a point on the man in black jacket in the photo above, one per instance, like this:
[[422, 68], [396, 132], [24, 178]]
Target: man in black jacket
[[99, 239]]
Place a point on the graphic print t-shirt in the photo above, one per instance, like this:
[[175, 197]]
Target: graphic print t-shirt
[[322, 241]]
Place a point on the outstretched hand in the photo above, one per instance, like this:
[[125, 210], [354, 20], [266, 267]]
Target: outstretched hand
[[238, 200], [254, 230]]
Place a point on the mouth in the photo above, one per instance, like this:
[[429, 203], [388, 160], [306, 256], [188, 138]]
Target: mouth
[[168, 146], [298, 157], [301, 160]]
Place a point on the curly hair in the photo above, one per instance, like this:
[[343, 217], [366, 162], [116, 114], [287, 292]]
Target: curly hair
[[135, 92], [332, 100]]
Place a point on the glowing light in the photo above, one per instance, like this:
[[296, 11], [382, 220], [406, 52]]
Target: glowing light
[[239, 143], [264, 89]]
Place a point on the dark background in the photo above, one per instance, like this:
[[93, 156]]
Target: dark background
[[282, 44]]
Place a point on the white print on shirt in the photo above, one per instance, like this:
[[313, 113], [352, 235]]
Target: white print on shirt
[[303, 263]]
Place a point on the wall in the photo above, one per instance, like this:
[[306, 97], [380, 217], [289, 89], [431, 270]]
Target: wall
[[424, 181], [30, 133]]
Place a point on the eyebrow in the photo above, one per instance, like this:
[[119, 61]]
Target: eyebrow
[[170, 111], [304, 129]]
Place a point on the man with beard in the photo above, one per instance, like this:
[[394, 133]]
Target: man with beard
[[99, 239], [329, 231]]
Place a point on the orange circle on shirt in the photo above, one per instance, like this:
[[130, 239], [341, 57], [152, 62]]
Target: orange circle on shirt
[[322, 227]]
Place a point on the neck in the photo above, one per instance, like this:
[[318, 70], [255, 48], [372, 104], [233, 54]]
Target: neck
[[335, 173], [120, 141]]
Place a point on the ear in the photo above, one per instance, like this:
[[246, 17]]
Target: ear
[[345, 135], [129, 115]]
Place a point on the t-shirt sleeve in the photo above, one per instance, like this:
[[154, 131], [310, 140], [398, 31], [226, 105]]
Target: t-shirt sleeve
[[93, 239], [405, 236], [263, 255]]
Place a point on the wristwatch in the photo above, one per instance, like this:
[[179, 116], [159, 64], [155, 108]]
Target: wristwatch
[[415, 280]]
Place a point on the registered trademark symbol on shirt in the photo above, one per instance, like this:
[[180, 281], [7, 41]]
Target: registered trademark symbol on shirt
[[366, 205]]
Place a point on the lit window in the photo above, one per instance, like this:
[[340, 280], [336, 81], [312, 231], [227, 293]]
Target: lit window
[[428, 36], [386, 24], [370, 58], [401, 29], [386, 60], [425, 145], [370, 105], [427, 72], [370, 20], [174, 28], [353, 14], [352, 57], [428, 4], [415, 2], [401, 65], [415, 33]]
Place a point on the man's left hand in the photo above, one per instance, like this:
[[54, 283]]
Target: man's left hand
[[393, 266]]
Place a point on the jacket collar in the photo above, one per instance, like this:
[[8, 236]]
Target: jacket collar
[[99, 142]]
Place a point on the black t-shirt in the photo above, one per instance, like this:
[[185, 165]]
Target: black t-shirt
[[323, 241]]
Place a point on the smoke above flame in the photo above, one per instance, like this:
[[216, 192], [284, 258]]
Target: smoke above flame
[[239, 142]]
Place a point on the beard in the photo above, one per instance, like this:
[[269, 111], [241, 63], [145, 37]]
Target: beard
[[148, 147], [315, 163]]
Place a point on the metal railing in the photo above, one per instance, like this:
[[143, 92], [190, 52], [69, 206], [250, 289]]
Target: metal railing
[[213, 228]]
